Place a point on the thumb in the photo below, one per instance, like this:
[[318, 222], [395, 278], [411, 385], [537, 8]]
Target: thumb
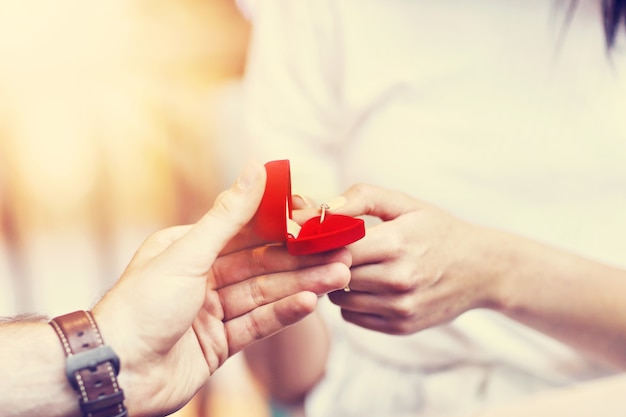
[[231, 211]]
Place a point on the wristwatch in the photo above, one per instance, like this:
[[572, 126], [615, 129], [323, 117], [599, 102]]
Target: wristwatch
[[91, 366]]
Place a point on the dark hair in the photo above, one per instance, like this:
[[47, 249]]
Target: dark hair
[[613, 14]]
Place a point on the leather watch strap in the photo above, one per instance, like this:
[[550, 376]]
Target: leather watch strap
[[91, 366]]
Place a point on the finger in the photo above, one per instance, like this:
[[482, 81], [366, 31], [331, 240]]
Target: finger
[[268, 319], [364, 199], [241, 298], [302, 202], [302, 215], [374, 322], [305, 208], [238, 266], [388, 277], [379, 244], [197, 249], [377, 261], [387, 306]]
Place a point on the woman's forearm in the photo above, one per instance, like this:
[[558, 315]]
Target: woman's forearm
[[289, 363], [576, 300]]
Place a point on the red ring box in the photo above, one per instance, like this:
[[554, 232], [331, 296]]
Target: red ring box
[[315, 236]]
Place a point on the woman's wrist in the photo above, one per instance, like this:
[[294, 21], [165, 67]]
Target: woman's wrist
[[499, 262], [521, 268]]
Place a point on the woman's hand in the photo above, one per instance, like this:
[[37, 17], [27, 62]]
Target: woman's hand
[[419, 268]]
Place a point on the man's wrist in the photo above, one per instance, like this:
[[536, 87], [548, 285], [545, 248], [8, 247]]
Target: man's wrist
[[91, 367]]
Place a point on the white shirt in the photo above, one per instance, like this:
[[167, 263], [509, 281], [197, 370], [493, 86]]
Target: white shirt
[[475, 106]]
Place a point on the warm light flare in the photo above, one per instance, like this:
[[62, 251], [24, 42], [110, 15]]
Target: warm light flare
[[104, 132]]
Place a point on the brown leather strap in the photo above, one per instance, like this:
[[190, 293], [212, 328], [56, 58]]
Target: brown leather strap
[[92, 367]]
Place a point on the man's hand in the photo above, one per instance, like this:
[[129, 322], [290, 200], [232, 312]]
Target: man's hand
[[195, 295]]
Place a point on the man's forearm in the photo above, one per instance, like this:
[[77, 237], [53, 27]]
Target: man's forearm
[[33, 382]]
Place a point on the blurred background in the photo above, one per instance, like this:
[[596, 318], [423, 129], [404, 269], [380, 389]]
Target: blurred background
[[113, 118]]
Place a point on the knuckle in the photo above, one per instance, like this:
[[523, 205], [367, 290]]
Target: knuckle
[[360, 188], [404, 328], [395, 247], [253, 327], [403, 308], [336, 275], [256, 291], [225, 208], [221, 202], [399, 283]]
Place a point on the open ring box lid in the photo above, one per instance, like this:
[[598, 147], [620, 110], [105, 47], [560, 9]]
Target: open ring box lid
[[315, 235]]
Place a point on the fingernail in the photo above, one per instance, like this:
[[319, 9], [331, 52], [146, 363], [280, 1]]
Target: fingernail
[[298, 201], [248, 176], [302, 201]]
